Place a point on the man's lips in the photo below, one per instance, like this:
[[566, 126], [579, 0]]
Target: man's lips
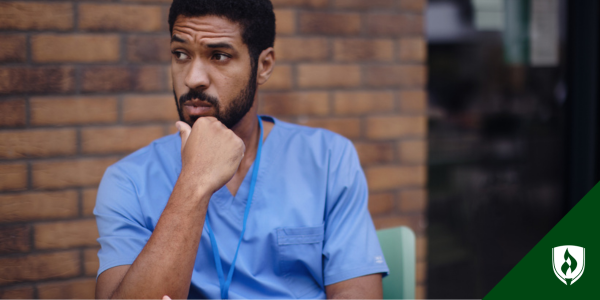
[[197, 107], [196, 103]]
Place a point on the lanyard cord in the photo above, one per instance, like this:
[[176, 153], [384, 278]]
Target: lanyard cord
[[225, 284]]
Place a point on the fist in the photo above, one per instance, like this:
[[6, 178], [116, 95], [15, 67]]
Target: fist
[[210, 153]]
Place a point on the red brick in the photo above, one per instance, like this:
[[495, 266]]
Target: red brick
[[412, 151], [296, 103], [89, 201], [38, 206], [363, 50], [421, 245], [348, 127], [301, 49], [150, 1], [171, 129], [36, 79], [90, 261], [281, 79], [13, 176], [36, 16], [413, 49], [362, 102], [374, 152], [420, 223], [13, 112], [39, 266], [396, 76], [169, 76], [289, 119], [14, 47], [117, 17], [149, 48], [301, 3], [144, 108], [37, 143], [385, 24], [72, 289], [285, 20], [328, 75], [73, 110], [389, 127], [75, 48], [413, 200], [118, 139], [381, 203], [121, 78], [22, 292], [330, 23], [413, 101], [421, 271], [394, 221], [164, 11], [14, 238], [66, 173], [65, 234], [390, 177], [364, 4], [421, 291], [151, 78], [412, 5]]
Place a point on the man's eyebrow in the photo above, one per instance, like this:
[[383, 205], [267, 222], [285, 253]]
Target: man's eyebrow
[[175, 38], [220, 45]]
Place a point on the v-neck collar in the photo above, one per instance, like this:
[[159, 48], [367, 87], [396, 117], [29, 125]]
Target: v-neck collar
[[224, 198], [248, 176]]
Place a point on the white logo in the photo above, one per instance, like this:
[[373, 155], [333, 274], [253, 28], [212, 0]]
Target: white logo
[[379, 259], [568, 263]]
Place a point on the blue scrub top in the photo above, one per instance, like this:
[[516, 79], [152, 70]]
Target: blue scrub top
[[308, 226]]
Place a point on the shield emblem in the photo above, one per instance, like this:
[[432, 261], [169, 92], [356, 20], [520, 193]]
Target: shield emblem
[[568, 263]]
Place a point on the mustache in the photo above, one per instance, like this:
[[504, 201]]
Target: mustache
[[193, 94]]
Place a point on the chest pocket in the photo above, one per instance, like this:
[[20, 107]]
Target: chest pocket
[[300, 259]]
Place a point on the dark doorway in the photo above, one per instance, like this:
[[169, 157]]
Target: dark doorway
[[505, 133]]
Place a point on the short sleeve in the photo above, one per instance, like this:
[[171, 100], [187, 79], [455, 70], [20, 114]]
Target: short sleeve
[[351, 248], [120, 221]]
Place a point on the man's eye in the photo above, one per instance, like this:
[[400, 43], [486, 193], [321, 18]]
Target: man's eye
[[180, 55], [220, 56]]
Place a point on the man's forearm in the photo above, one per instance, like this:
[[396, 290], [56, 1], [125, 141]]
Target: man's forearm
[[165, 265], [364, 287], [210, 155]]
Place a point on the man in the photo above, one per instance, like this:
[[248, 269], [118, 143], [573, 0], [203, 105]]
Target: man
[[212, 212]]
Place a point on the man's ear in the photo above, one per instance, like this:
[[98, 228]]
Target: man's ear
[[266, 63]]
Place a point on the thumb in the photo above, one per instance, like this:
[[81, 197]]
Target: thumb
[[184, 132], [165, 297]]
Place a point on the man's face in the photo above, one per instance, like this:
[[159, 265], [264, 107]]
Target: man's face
[[211, 69]]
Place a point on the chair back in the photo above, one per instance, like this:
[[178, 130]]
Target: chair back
[[398, 246]]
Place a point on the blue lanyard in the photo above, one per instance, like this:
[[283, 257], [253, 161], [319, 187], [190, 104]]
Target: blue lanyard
[[225, 284]]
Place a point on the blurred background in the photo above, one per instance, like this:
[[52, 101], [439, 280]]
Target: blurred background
[[513, 131], [475, 122]]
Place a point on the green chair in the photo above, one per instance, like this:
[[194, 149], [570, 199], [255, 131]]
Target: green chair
[[398, 246]]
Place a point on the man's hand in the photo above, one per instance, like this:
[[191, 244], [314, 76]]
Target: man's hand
[[210, 153]]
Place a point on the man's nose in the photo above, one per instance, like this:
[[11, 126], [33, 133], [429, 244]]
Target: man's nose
[[197, 76]]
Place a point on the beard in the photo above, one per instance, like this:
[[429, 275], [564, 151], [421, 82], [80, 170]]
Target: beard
[[229, 115]]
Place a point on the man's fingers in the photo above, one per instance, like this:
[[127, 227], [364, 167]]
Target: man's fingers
[[184, 132]]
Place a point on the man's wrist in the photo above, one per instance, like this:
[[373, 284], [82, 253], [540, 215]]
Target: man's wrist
[[190, 187]]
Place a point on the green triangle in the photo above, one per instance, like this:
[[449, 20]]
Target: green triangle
[[534, 277]]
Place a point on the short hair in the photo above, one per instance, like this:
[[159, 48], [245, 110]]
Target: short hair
[[256, 18]]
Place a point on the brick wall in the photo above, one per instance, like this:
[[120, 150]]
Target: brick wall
[[74, 76]]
